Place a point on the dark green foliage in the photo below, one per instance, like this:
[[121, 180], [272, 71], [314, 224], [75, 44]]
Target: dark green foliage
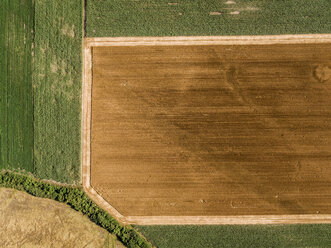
[[188, 17], [16, 100], [241, 236], [77, 200], [57, 82]]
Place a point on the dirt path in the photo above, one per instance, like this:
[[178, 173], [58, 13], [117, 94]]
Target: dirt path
[[27, 221]]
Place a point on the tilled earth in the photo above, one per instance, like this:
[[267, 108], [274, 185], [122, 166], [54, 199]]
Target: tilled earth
[[212, 129]]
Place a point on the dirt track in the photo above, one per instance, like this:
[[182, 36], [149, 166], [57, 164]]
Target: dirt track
[[212, 130]]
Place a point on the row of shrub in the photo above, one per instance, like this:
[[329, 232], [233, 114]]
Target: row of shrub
[[76, 199]]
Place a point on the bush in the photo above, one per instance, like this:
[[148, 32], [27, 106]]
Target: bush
[[76, 199]]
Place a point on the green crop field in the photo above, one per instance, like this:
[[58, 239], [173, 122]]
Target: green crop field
[[206, 17], [238, 236], [57, 83], [41, 73], [16, 99]]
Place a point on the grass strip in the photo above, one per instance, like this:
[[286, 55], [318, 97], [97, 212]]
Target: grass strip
[[16, 98], [241, 236], [201, 17], [76, 199], [57, 81]]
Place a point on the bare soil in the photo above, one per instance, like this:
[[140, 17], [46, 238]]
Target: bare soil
[[28, 221], [215, 13], [213, 129]]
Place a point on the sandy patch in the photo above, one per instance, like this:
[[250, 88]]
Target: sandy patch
[[68, 30], [251, 8], [234, 13], [63, 68], [43, 50], [322, 73], [230, 2], [54, 67], [215, 13], [70, 82]]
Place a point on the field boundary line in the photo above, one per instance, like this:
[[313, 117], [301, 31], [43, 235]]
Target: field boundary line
[[209, 40], [230, 220], [89, 43], [86, 138], [86, 117]]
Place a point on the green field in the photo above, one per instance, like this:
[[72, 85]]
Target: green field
[[57, 83], [41, 73], [16, 99], [238, 236], [188, 17]]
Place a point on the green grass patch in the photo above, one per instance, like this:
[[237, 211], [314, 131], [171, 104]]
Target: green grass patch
[[76, 199], [16, 99], [312, 235], [57, 83], [40, 87], [187, 17]]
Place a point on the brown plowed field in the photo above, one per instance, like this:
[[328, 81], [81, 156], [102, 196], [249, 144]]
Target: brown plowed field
[[212, 130]]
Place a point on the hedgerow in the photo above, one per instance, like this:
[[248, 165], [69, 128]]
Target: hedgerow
[[76, 199]]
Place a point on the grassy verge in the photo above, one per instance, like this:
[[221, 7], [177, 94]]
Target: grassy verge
[[212, 17], [16, 99], [57, 89], [238, 236], [78, 200]]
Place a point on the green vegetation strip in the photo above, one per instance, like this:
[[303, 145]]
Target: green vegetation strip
[[76, 199], [201, 17], [16, 99], [57, 81], [40, 87], [310, 235]]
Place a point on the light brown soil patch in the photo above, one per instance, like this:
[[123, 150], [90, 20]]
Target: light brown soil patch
[[67, 30], [215, 13], [323, 73], [27, 221], [212, 130], [54, 67]]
